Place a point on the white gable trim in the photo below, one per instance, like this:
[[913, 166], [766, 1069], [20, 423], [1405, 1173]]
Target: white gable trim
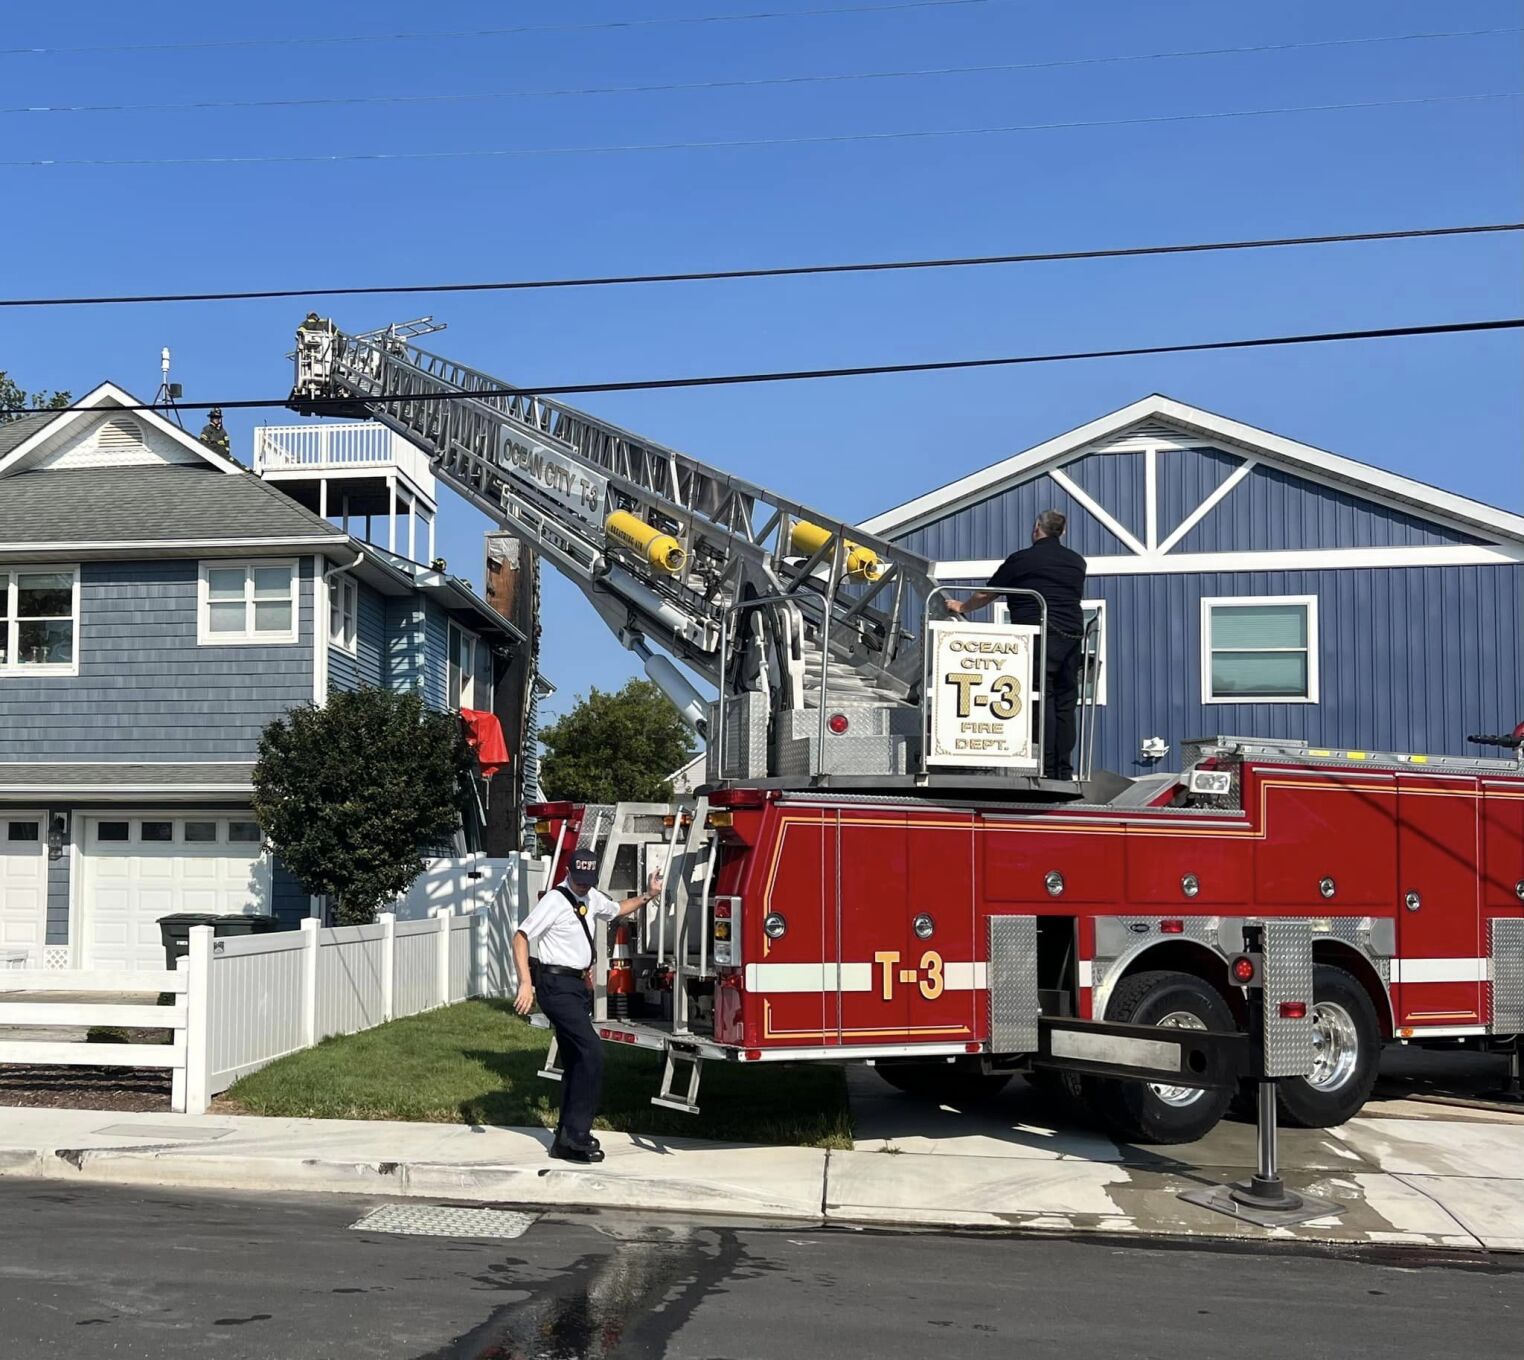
[[1096, 511], [104, 398], [1295, 559], [1387, 488], [1209, 504]]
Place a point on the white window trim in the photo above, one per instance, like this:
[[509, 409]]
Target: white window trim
[[204, 635], [467, 678], [1001, 613], [341, 588], [1310, 602], [12, 668], [1100, 651]]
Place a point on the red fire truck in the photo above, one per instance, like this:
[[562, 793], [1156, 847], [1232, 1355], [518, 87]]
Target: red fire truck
[[865, 928], [876, 870]]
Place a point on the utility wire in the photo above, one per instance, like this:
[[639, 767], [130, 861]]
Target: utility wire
[[338, 38], [804, 374], [746, 142], [773, 272], [329, 101]]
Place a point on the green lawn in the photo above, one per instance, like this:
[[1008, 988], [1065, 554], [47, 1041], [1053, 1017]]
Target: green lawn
[[475, 1063]]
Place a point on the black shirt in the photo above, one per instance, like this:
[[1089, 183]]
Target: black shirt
[[1054, 572]]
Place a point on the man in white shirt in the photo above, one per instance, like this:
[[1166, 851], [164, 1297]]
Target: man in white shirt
[[559, 927]]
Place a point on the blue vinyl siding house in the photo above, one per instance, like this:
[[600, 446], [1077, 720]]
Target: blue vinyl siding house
[[160, 604], [1248, 584]]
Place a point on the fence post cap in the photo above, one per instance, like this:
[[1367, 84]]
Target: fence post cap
[[310, 923]]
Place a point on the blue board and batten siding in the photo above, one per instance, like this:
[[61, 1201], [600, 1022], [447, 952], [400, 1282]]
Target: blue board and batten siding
[[1411, 657], [146, 689]]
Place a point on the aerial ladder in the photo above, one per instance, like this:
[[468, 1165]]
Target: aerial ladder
[[808, 629]]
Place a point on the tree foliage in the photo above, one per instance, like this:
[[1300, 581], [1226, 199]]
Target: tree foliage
[[351, 794], [13, 395], [615, 748]]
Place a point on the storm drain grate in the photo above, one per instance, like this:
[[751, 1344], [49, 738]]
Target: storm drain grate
[[444, 1220]]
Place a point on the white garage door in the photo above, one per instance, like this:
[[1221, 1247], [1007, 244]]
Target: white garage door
[[23, 888], [137, 869]]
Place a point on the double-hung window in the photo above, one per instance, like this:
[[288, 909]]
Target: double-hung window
[[248, 602], [343, 611], [39, 621], [470, 670], [1260, 650]]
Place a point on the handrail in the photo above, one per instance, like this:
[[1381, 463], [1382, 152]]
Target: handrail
[[928, 654]]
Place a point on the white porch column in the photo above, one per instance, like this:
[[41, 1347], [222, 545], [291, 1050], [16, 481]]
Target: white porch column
[[431, 536], [322, 498], [412, 530], [391, 514]]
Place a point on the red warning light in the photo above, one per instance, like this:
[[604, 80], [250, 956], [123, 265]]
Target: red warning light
[[838, 723], [1293, 1010], [1242, 968]]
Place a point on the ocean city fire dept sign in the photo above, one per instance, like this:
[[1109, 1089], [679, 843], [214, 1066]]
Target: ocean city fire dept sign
[[981, 695]]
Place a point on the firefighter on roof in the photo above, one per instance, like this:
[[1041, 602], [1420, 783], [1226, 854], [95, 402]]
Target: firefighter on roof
[[559, 927], [213, 435]]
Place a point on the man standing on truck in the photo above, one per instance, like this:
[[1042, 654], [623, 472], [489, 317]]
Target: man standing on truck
[[558, 924], [1057, 574]]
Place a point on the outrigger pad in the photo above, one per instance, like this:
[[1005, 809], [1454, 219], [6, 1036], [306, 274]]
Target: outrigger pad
[[1221, 1199]]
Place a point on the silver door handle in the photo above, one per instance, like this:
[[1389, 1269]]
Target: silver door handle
[[1412, 901]]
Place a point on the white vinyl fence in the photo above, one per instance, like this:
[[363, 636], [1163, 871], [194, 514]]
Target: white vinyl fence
[[242, 1001]]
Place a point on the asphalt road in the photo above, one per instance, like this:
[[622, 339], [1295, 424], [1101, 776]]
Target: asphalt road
[[95, 1271]]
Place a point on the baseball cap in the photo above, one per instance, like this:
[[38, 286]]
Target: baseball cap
[[583, 866]]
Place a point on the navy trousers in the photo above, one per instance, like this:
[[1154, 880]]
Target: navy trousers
[[568, 1005]]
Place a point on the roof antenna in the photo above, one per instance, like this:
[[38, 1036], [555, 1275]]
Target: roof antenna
[[168, 392]]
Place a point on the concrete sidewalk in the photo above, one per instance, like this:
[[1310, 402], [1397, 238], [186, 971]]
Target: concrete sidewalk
[[1435, 1184]]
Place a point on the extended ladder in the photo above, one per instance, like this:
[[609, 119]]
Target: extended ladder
[[669, 550]]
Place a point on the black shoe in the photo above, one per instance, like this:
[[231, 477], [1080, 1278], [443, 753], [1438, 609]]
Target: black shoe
[[585, 1153], [591, 1140]]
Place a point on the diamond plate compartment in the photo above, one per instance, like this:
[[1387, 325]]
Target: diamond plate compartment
[[1012, 973], [444, 1220], [1506, 947], [1288, 977]]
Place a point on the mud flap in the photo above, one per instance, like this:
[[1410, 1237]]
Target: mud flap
[[1012, 985]]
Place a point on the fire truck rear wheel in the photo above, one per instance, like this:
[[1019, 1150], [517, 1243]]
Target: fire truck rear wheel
[[1141, 1112], [955, 1083], [1347, 1054]]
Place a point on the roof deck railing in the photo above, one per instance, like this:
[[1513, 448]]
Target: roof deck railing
[[363, 446]]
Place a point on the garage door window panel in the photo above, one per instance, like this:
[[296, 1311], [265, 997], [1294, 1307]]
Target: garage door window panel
[[248, 602], [200, 833], [243, 833]]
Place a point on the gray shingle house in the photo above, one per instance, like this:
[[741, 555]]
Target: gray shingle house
[[159, 605]]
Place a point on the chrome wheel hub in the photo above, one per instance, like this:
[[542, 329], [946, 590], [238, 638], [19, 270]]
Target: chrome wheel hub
[[1178, 1097], [1335, 1046]]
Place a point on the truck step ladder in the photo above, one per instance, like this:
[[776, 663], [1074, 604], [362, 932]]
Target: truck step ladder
[[668, 1097], [552, 1071]]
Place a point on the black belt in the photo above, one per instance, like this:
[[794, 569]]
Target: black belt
[[561, 970]]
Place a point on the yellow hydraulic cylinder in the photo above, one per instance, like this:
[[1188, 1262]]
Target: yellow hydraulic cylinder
[[862, 564], [661, 550]]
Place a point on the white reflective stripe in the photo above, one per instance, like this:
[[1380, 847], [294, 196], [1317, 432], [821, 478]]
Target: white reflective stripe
[[1439, 970], [1086, 973], [855, 977], [1440, 1031], [964, 977], [808, 977]]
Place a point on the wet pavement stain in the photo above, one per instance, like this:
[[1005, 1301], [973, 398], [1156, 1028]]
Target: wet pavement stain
[[628, 1301], [239, 1322]]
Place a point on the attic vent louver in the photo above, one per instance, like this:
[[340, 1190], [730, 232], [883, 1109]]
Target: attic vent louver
[[121, 435]]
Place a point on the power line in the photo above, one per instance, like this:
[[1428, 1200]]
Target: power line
[[339, 38], [772, 272], [328, 101], [747, 142], [804, 374]]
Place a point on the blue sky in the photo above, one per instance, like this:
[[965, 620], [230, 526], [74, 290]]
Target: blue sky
[[1443, 410]]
